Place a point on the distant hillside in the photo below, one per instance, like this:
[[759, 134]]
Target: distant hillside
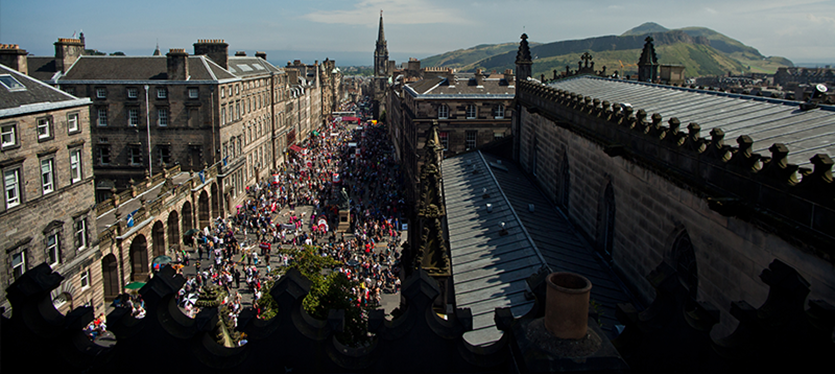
[[463, 57], [701, 50], [646, 28]]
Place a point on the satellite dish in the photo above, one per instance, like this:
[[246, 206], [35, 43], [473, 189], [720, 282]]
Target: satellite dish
[[821, 88]]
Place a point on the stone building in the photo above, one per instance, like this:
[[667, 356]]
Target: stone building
[[470, 109], [383, 70], [646, 190], [48, 210]]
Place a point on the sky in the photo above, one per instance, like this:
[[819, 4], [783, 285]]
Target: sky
[[346, 30]]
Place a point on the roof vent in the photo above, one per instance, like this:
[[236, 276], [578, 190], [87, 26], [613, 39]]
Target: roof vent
[[531, 208]]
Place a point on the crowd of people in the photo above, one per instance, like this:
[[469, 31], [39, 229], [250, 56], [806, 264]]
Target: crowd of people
[[248, 245]]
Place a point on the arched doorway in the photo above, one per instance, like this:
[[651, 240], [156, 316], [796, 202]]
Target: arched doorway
[[173, 231], [606, 222], [158, 237], [684, 259], [215, 201], [139, 259], [187, 217], [565, 176], [203, 210], [110, 277]]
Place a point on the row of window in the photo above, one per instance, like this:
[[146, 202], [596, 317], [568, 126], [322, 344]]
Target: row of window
[[53, 255], [133, 92], [133, 117], [13, 178], [470, 139], [252, 103], [136, 154], [247, 85], [9, 135], [471, 112]]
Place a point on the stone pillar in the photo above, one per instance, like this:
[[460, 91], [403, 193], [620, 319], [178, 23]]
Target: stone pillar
[[344, 221]]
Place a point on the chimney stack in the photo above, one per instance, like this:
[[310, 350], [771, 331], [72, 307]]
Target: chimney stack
[[261, 55], [177, 64], [479, 77], [12, 56], [215, 49], [240, 53], [67, 50]]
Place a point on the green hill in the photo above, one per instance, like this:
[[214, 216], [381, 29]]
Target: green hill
[[701, 50], [646, 28], [463, 57]]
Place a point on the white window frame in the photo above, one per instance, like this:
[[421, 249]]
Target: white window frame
[[443, 112], [8, 131], [21, 264], [162, 117], [193, 93], [75, 166], [80, 232], [101, 93], [162, 93], [72, 123], [84, 279], [500, 111], [101, 119], [44, 130], [12, 186], [48, 175], [133, 92], [472, 111], [53, 249], [133, 117]]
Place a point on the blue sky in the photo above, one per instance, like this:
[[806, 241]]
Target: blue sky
[[345, 30]]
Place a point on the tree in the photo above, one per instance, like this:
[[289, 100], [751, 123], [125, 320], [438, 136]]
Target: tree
[[328, 290]]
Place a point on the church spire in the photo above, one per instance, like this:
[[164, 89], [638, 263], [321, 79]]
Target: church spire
[[381, 53], [381, 35]]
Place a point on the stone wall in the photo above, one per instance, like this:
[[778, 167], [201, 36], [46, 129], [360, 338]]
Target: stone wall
[[653, 207]]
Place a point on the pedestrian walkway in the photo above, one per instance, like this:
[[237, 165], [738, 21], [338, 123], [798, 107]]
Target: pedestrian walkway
[[300, 206]]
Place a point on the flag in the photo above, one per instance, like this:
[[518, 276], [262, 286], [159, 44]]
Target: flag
[[202, 176], [129, 218]]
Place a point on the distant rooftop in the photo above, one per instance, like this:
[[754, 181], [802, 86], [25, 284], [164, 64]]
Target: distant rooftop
[[765, 120]]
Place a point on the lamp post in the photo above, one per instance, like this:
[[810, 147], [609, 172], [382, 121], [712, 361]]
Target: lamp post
[[148, 124]]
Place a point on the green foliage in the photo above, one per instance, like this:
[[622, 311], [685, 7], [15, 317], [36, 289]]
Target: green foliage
[[328, 290], [383, 117]]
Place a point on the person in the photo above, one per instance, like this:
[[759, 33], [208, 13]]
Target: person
[[237, 275]]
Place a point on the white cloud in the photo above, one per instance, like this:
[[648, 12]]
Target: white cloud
[[401, 12], [711, 10]]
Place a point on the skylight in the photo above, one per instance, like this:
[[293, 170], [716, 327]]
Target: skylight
[[11, 83], [243, 67], [258, 67]]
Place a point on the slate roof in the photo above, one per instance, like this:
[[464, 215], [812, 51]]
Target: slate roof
[[489, 270], [462, 86], [42, 68], [34, 96], [140, 68], [243, 66], [765, 120]]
